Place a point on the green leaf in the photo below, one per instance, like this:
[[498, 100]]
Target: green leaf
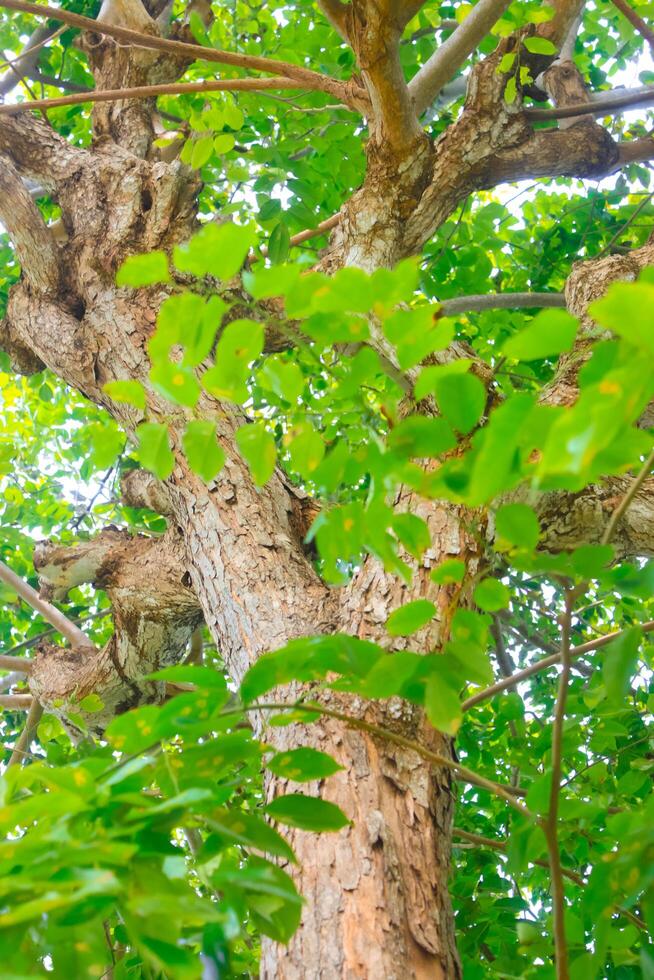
[[280, 243], [390, 675], [626, 309], [491, 595], [309, 659], [176, 383], [240, 344], [620, 659], [410, 617], [506, 63], [551, 332], [143, 270], [258, 449], [305, 448], [421, 437], [417, 333], [202, 151], [283, 377], [442, 704], [154, 449], [303, 765], [539, 45], [516, 525], [461, 400], [129, 392], [451, 571], [412, 532], [107, 443], [216, 250], [511, 91], [307, 813], [205, 456], [223, 143]]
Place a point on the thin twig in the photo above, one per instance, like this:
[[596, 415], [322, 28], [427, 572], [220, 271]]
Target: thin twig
[[624, 504], [195, 52], [49, 612], [498, 845], [304, 236], [33, 719], [635, 20], [153, 91], [555, 658], [607, 248], [33, 640]]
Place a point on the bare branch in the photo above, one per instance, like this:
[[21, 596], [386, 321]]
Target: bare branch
[[27, 59], [601, 104], [544, 664], [16, 702], [374, 31], [154, 613], [448, 58], [50, 613], [21, 664], [152, 91], [336, 13], [314, 80], [636, 151], [635, 20], [34, 244], [501, 301]]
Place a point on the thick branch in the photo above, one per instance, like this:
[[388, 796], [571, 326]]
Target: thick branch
[[336, 13], [448, 58], [34, 244], [374, 33], [38, 151]]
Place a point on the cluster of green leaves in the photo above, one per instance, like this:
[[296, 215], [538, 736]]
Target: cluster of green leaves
[[151, 852], [95, 832]]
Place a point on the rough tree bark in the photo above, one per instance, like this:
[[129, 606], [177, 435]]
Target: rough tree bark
[[377, 892]]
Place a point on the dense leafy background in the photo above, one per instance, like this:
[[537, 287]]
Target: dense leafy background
[[153, 848]]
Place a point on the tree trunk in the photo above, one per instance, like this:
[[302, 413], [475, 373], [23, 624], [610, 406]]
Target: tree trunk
[[377, 902]]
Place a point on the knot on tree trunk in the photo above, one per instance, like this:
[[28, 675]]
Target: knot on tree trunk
[[155, 614]]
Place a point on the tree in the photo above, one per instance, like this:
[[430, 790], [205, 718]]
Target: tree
[[280, 321]]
